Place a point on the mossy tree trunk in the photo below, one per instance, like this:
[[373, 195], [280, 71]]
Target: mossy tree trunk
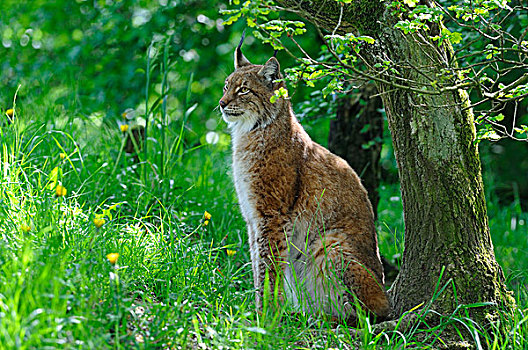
[[446, 225]]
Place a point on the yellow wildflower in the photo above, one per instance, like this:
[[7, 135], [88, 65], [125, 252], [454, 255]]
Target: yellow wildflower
[[62, 155], [112, 257], [25, 228], [98, 222], [60, 191], [230, 252], [124, 127], [207, 215], [10, 112], [206, 222]]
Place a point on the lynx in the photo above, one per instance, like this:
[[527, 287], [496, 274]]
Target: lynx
[[309, 220]]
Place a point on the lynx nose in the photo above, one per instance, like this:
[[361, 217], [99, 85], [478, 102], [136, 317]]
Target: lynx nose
[[222, 103]]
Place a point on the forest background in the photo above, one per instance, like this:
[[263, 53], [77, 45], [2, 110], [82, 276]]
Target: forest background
[[78, 80]]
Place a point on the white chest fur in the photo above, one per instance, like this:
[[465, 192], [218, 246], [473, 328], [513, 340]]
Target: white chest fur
[[247, 202], [244, 192]]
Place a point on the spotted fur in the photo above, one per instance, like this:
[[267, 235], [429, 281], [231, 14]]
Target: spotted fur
[[308, 217]]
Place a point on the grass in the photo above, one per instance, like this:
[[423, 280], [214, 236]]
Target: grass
[[179, 282]]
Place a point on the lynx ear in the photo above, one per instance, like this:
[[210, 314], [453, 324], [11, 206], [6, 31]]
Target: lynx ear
[[240, 59], [271, 70]]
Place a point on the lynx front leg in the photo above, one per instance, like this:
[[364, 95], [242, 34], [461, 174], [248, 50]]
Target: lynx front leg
[[254, 252], [272, 253]]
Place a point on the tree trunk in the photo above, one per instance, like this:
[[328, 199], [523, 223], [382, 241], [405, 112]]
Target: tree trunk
[[447, 236], [446, 224]]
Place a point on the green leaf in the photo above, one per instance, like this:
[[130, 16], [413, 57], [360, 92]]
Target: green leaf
[[497, 118], [282, 92], [315, 74], [367, 39], [53, 177], [364, 129], [251, 23], [368, 145], [299, 31], [455, 37], [232, 19]]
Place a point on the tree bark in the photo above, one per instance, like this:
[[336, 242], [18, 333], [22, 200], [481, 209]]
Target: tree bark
[[446, 224], [447, 238]]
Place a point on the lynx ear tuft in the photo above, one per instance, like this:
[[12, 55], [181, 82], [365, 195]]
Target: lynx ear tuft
[[240, 59], [271, 70]]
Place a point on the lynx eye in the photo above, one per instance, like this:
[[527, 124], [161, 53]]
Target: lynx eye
[[243, 90], [225, 87]]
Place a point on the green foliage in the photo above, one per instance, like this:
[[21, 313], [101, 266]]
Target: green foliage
[[488, 37], [280, 93], [419, 18], [90, 56]]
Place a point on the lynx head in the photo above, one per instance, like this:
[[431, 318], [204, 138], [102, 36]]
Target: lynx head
[[247, 92]]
